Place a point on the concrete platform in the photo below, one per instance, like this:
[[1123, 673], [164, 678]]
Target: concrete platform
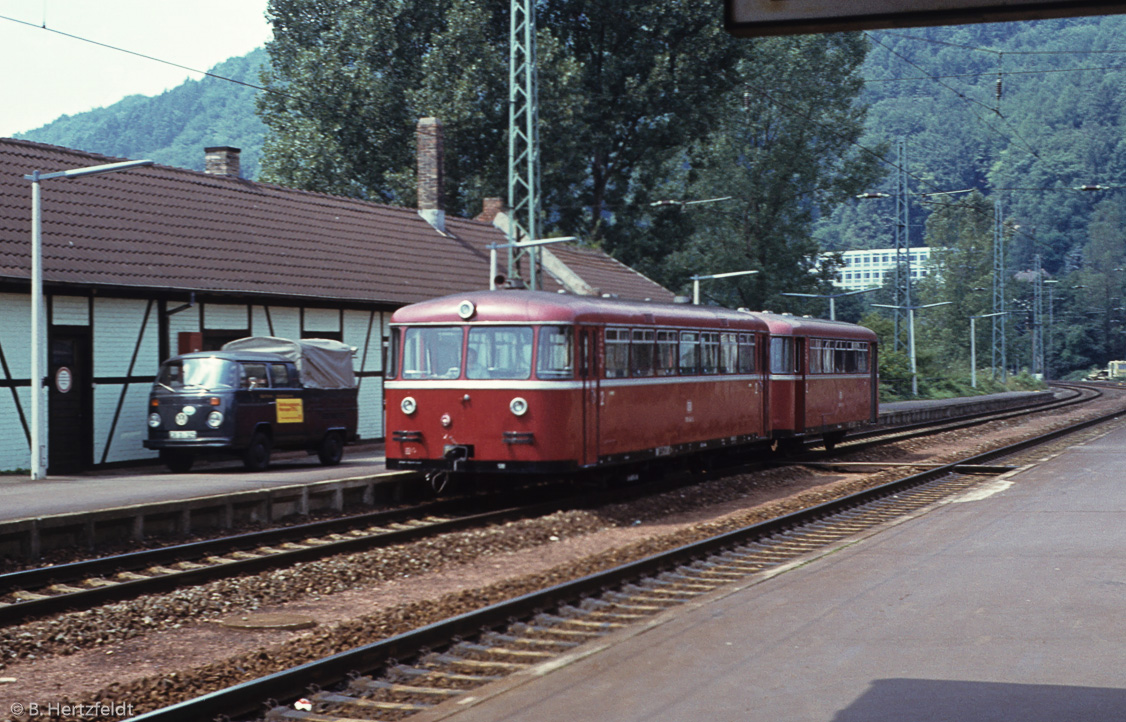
[[104, 489], [133, 504], [1005, 604]]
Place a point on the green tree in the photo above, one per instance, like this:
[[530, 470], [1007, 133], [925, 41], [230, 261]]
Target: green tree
[[621, 86], [786, 149], [960, 234]]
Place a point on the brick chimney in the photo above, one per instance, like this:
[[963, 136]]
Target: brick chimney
[[489, 209], [222, 160], [431, 180]]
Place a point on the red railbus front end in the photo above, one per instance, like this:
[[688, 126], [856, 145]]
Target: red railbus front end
[[524, 382]]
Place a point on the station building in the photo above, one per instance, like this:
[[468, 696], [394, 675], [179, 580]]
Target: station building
[[145, 263]]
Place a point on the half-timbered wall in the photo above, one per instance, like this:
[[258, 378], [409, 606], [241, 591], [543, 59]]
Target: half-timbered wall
[[125, 349]]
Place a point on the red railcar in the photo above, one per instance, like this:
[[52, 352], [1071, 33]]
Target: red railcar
[[823, 377], [532, 382]]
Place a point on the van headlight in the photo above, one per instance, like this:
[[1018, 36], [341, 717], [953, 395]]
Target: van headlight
[[518, 406], [214, 419], [154, 420], [408, 405]]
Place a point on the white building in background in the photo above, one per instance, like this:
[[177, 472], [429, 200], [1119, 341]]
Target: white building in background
[[875, 267]]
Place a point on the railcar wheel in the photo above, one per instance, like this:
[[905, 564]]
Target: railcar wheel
[[331, 450], [257, 455], [832, 439]]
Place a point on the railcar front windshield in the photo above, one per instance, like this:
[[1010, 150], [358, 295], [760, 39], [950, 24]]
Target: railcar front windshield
[[500, 352], [198, 374], [432, 352]]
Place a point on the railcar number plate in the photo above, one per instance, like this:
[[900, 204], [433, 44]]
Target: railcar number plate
[[181, 434]]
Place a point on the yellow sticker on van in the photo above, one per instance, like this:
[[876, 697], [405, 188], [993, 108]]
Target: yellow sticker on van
[[290, 411]]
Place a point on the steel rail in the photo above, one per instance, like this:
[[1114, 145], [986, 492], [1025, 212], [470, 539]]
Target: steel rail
[[247, 697], [38, 604]]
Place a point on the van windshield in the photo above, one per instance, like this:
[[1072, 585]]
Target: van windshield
[[194, 374]]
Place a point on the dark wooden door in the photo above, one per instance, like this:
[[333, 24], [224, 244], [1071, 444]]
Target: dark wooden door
[[70, 430]]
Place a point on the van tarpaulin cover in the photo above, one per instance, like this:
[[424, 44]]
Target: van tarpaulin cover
[[323, 363]]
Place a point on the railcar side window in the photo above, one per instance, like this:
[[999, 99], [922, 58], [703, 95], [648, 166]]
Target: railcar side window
[[499, 352], [728, 353], [709, 352], [689, 353], [432, 353], [666, 360], [555, 355], [617, 353], [837, 357], [390, 363], [641, 353], [782, 357], [746, 353]]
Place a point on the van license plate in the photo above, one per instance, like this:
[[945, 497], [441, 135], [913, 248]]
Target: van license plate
[[181, 434]]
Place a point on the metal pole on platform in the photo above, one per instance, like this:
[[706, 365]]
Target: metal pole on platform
[[38, 315]]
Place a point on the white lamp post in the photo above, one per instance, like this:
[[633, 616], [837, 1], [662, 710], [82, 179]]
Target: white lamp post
[[38, 350], [696, 282], [911, 337], [494, 247], [832, 298], [973, 344]]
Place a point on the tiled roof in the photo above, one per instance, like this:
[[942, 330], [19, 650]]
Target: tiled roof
[[162, 227]]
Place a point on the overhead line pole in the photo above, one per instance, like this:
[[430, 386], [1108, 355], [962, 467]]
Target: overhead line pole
[[524, 200]]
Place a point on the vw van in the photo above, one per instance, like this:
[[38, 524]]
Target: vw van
[[256, 395]]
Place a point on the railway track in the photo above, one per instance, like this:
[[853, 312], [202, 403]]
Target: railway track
[[399, 676], [40, 592]]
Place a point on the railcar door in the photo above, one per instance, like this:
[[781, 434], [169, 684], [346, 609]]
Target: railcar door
[[589, 375]]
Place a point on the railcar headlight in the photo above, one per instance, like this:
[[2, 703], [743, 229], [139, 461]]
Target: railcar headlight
[[154, 420], [518, 406], [466, 310], [408, 405], [214, 419]]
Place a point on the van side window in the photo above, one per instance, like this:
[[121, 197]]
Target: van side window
[[283, 376], [253, 376]]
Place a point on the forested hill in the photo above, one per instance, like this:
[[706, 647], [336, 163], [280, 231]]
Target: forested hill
[[1055, 123], [174, 127], [1058, 124]]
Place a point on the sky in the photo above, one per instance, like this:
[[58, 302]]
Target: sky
[[47, 75]]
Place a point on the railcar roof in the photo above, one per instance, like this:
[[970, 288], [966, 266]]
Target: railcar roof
[[786, 325], [518, 306]]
